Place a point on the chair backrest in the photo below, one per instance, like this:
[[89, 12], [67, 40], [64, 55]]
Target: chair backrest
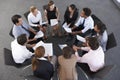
[[10, 61], [101, 74], [26, 14], [10, 33], [111, 41]]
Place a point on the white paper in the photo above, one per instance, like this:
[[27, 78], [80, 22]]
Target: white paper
[[80, 38], [68, 30], [39, 34], [118, 1], [53, 22], [48, 48], [62, 46], [44, 23]]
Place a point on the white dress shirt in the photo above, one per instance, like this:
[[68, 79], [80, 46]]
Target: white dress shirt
[[34, 19], [88, 24], [20, 53], [94, 59]]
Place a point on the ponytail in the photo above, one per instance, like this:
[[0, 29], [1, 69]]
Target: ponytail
[[34, 63]]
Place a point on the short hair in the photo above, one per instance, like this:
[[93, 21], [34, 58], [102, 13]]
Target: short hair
[[67, 52], [22, 39], [39, 52], [93, 43], [101, 27], [32, 8], [15, 18], [87, 11]]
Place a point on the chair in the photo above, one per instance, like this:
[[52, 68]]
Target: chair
[[111, 41], [26, 14], [10, 33], [101, 74], [9, 59]]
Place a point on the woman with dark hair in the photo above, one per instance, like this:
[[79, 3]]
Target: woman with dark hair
[[41, 66], [102, 35], [52, 17], [70, 16], [67, 62]]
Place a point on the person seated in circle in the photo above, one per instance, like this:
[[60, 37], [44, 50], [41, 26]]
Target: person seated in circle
[[43, 67], [67, 62], [35, 20], [85, 23], [20, 51], [52, 16], [94, 57], [102, 35], [70, 16]]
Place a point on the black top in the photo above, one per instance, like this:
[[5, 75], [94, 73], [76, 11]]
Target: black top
[[69, 19], [51, 14], [44, 70]]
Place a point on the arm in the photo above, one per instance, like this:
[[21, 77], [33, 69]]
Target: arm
[[40, 18], [58, 14], [45, 14]]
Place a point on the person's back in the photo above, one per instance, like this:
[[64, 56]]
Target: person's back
[[44, 70], [67, 69], [19, 51]]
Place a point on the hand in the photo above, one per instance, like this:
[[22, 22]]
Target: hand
[[49, 59], [75, 48], [74, 33]]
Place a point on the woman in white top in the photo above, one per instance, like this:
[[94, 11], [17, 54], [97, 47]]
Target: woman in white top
[[102, 35], [35, 20], [94, 57]]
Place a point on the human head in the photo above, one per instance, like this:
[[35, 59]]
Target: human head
[[16, 19], [67, 52], [93, 43], [39, 52], [100, 28], [34, 10], [22, 39], [72, 7], [51, 4], [86, 12]]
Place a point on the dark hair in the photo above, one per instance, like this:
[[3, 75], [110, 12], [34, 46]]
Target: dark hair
[[73, 7], [39, 52], [101, 27], [67, 52], [93, 43], [50, 3], [15, 18], [87, 11], [22, 39]]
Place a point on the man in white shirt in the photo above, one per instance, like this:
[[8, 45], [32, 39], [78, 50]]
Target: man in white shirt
[[19, 51], [95, 57], [84, 23]]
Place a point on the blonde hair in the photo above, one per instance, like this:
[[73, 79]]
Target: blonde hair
[[32, 8]]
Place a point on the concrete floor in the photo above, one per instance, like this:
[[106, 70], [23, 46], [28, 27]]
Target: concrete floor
[[104, 9]]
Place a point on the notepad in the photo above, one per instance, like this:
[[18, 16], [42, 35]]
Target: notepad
[[53, 22], [68, 30], [48, 48], [80, 38], [62, 46], [39, 34]]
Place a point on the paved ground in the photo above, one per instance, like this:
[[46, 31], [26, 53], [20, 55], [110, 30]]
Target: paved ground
[[104, 9]]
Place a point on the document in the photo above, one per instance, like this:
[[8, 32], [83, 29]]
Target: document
[[44, 23], [48, 48], [68, 30], [80, 38], [62, 46], [53, 22], [39, 34]]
